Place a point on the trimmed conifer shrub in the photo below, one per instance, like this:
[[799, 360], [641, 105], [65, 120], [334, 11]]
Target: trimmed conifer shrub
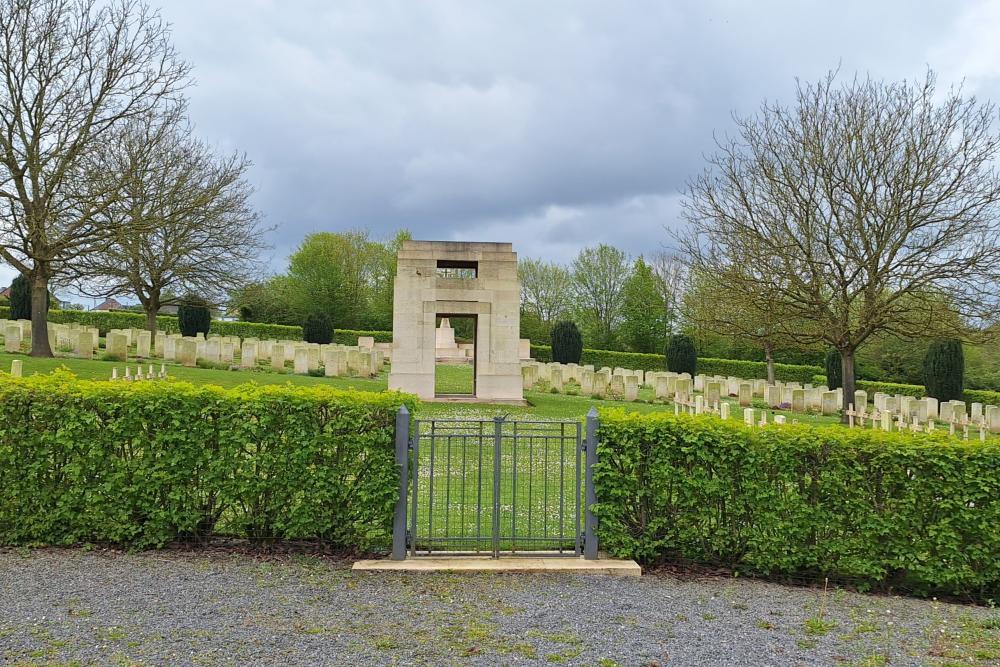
[[834, 370], [944, 370], [318, 328], [682, 357], [20, 298], [567, 344], [193, 316]]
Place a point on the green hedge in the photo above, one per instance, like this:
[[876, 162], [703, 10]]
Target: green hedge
[[706, 365], [802, 501], [256, 330], [917, 390], [142, 464], [756, 369], [105, 321], [350, 336]]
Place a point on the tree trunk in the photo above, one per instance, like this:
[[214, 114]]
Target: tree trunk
[[40, 314], [769, 355], [849, 383], [151, 318], [151, 305]]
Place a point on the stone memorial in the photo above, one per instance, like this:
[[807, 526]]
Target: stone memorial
[[441, 279]]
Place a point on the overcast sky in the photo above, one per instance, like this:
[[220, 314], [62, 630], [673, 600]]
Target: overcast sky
[[553, 125]]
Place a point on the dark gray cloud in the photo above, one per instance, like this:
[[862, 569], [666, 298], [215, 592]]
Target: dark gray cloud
[[550, 124]]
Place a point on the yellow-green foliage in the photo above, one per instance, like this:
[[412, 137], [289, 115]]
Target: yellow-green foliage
[[915, 510], [145, 463]]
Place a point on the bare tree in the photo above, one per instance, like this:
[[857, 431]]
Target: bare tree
[[185, 221], [545, 288], [863, 209], [713, 303], [673, 276], [72, 71]]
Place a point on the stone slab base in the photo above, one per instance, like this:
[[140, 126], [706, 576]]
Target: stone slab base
[[617, 568], [469, 398]]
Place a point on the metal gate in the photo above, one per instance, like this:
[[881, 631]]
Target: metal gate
[[494, 487]]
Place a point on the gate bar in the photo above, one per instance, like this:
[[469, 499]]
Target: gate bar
[[402, 459], [497, 438]]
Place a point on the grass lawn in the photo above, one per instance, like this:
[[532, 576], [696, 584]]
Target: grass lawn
[[453, 379]]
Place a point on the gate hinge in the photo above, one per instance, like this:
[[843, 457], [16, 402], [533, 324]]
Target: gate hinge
[[409, 444]]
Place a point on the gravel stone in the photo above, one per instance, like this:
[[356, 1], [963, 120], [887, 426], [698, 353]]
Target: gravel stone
[[168, 608]]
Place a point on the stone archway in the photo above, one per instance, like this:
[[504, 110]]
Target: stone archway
[[455, 278]]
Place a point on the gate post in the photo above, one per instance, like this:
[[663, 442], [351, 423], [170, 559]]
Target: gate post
[[402, 463], [590, 521]]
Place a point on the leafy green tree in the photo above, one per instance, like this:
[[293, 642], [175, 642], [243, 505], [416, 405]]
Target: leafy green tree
[[567, 344], [599, 276], [682, 357], [644, 323], [265, 301], [546, 295], [346, 275], [381, 281], [944, 370]]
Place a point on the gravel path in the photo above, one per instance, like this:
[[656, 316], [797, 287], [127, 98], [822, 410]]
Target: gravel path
[[69, 607]]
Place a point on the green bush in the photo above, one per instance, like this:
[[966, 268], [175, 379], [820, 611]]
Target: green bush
[[317, 329], [834, 369], [681, 355], [944, 370], [802, 501], [194, 317], [567, 344], [20, 298], [142, 464]]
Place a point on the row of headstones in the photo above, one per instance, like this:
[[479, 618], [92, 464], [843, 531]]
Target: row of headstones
[[917, 414], [625, 383], [887, 415], [67, 337], [805, 397], [793, 396], [336, 360], [619, 383]]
